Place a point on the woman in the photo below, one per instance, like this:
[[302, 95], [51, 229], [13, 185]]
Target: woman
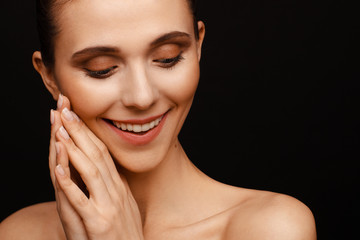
[[124, 74]]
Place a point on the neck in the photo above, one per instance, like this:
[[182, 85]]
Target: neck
[[163, 192]]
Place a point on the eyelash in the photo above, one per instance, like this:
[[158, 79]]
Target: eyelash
[[101, 73], [167, 63]]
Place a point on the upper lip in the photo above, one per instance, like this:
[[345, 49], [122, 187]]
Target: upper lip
[[140, 121]]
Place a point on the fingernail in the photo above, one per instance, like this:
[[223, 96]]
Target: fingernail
[[60, 101], [52, 117], [67, 114], [57, 148], [60, 170], [76, 116], [64, 133]]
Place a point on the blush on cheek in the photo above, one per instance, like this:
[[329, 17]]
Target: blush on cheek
[[183, 83], [86, 96], [90, 102]]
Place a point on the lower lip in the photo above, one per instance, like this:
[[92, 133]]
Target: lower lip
[[139, 139]]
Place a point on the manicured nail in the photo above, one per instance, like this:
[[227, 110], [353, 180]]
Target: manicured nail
[[76, 116], [64, 133], [57, 148], [52, 117], [60, 170], [60, 101], [67, 114]]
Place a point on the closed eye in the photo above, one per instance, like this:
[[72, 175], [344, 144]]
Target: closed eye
[[100, 73], [169, 62]]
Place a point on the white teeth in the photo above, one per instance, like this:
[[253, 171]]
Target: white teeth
[[118, 125], [145, 127], [137, 127]]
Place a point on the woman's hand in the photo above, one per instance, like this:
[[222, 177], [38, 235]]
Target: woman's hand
[[110, 211]]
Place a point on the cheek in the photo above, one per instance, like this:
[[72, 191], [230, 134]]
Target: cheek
[[86, 95], [180, 85], [92, 97]]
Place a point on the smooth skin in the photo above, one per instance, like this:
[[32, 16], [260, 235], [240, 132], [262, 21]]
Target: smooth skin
[[152, 191]]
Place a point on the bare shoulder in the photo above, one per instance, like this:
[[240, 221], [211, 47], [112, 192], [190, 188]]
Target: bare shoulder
[[38, 221], [267, 215]]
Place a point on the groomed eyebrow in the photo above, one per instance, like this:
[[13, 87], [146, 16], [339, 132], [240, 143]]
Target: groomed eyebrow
[[98, 50], [168, 37], [95, 51]]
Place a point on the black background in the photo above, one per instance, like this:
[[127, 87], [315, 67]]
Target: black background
[[276, 109]]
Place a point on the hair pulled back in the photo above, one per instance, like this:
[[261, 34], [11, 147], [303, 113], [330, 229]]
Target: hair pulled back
[[48, 28]]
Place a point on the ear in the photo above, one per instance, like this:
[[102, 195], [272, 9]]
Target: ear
[[201, 29], [46, 75]]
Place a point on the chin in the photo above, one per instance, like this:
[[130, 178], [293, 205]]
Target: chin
[[138, 158], [141, 161]]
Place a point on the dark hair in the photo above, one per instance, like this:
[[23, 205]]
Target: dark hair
[[48, 28]]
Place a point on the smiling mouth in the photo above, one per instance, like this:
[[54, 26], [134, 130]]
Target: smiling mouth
[[138, 131], [136, 128]]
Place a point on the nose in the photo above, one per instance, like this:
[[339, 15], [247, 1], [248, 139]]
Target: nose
[[139, 92]]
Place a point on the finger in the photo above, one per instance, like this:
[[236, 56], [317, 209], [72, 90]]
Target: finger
[[63, 102], [79, 133], [98, 153], [70, 171], [62, 157], [108, 158], [56, 124], [87, 169], [109, 162], [73, 194], [70, 219]]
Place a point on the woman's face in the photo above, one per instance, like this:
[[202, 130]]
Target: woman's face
[[130, 69]]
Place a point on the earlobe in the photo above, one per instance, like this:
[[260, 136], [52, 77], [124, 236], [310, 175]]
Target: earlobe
[[201, 29], [46, 74]]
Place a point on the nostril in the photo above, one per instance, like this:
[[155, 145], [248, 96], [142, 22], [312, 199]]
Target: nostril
[[139, 91], [140, 99]]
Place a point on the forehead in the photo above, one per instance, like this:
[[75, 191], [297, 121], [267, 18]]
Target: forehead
[[128, 24]]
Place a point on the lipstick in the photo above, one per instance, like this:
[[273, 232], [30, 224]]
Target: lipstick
[[138, 131]]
